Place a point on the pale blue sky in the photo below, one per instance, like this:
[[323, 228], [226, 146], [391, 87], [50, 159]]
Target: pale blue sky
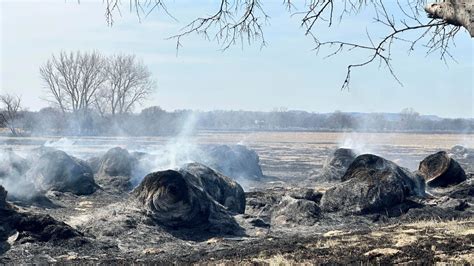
[[285, 73]]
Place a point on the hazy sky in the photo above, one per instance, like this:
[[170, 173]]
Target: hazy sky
[[285, 73]]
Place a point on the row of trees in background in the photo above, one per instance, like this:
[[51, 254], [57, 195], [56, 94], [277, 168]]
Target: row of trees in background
[[93, 94], [154, 121]]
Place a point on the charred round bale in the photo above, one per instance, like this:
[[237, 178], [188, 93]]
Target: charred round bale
[[221, 188], [94, 163], [372, 184], [440, 170], [43, 228], [459, 150], [463, 190], [31, 227], [56, 170], [296, 211], [3, 197], [12, 165], [336, 165], [116, 162], [465, 157], [4, 230], [236, 161], [175, 200], [115, 169], [12, 177]]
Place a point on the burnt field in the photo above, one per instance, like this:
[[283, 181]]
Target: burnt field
[[269, 198]]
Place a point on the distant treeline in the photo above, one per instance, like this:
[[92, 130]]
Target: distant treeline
[[154, 121]]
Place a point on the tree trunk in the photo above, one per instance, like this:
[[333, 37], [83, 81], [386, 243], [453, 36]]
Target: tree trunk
[[455, 12]]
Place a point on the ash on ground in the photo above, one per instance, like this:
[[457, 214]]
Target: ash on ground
[[356, 209]]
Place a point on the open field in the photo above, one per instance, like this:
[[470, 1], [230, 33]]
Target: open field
[[285, 155], [112, 227]]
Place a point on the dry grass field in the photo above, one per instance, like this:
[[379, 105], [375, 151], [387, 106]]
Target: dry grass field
[[290, 155], [285, 155]]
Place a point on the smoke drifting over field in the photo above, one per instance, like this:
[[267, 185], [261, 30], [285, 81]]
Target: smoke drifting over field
[[12, 170], [235, 160]]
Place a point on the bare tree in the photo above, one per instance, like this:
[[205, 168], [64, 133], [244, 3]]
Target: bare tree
[[128, 82], [238, 21], [72, 79], [11, 108]]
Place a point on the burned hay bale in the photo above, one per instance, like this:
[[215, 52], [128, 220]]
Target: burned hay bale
[[43, 228], [372, 184], [465, 157], [176, 200], [114, 169], [3, 197], [116, 162], [307, 194], [262, 203], [94, 163], [12, 176], [221, 188], [5, 231], [56, 170], [336, 165], [295, 211], [459, 151], [430, 213], [236, 161], [12, 165], [440, 170], [172, 199], [31, 227], [464, 190]]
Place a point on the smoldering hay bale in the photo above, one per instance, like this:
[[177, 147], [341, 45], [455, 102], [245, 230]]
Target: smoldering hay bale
[[12, 165], [295, 211], [221, 188], [175, 200], [12, 176], [56, 170], [371, 184], [464, 190], [440, 170], [94, 163], [36, 153], [236, 161], [3, 232], [116, 162], [465, 157], [459, 151], [114, 169], [335, 165], [31, 227], [3, 197], [172, 199]]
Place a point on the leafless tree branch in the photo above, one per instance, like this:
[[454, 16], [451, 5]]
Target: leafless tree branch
[[236, 21]]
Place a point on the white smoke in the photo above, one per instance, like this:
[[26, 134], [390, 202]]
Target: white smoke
[[11, 176], [360, 143], [177, 151], [61, 143]]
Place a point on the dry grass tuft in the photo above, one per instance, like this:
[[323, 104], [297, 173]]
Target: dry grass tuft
[[382, 252]]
